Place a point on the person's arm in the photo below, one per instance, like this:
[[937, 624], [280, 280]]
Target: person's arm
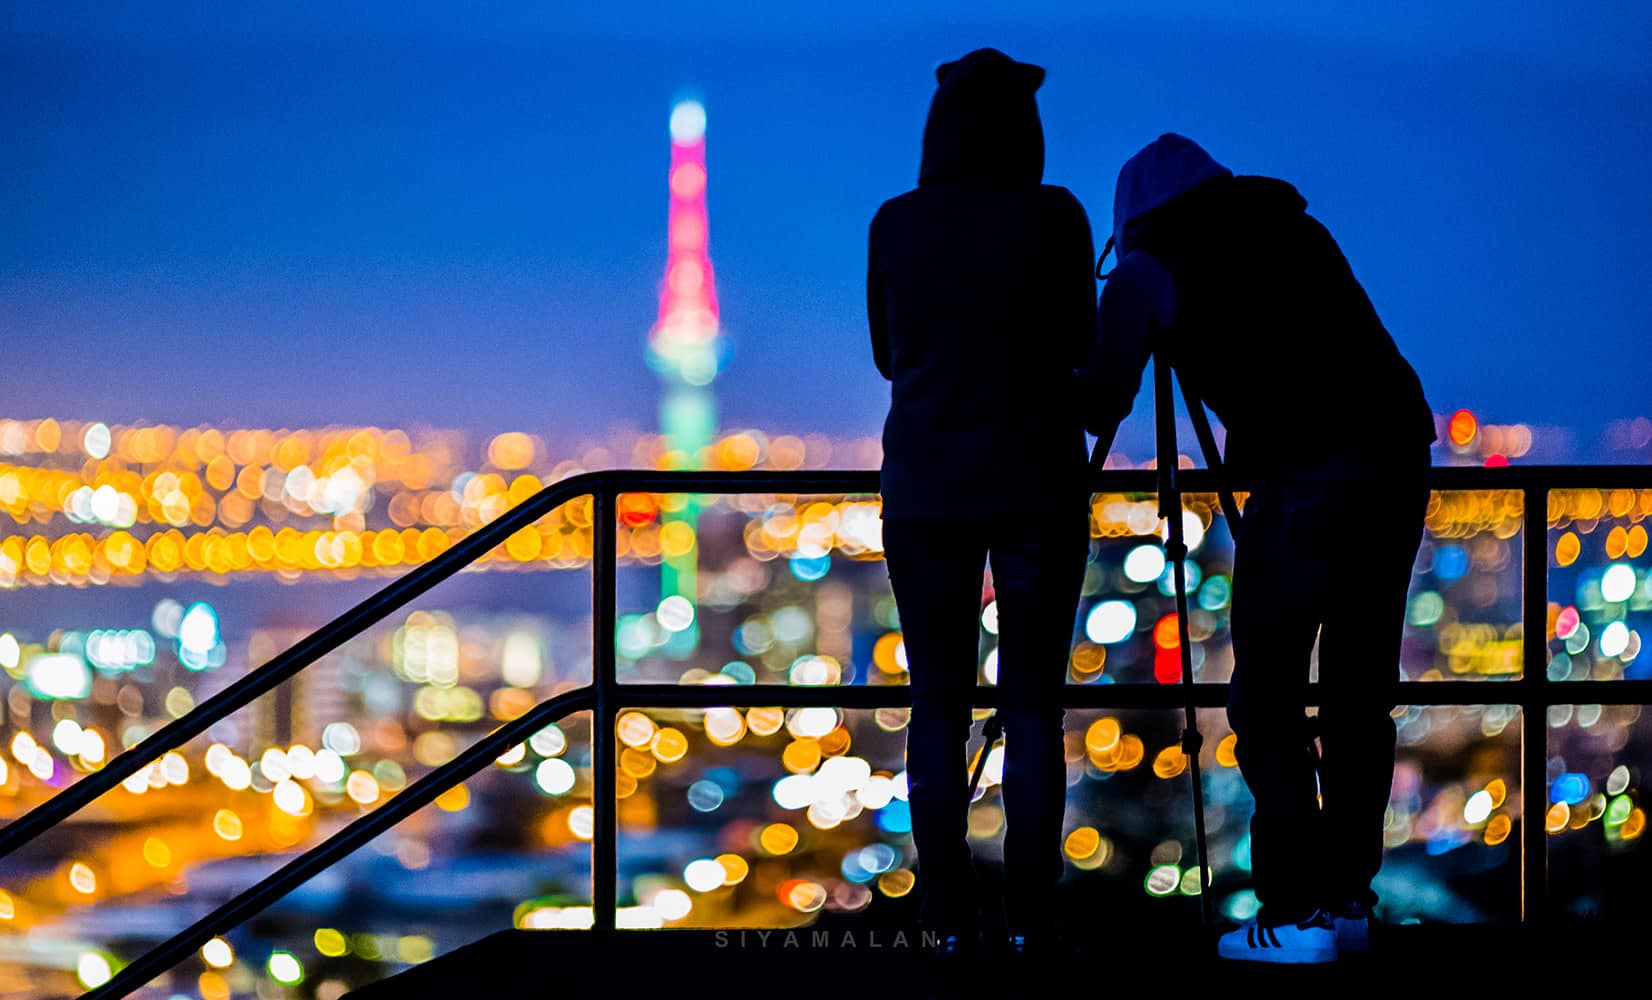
[[877, 318], [1137, 302]]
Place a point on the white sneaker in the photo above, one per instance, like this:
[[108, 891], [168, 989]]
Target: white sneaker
[[1311, 941]]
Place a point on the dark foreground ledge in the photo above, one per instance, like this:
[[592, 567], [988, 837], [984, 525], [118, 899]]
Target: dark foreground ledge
[[886, 963]]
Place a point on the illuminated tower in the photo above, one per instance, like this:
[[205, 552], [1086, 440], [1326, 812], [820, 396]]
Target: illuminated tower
[[684, 346]]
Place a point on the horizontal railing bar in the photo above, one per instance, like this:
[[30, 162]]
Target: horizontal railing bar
[[824, 482], [1440, 477], [1129, 696], [358, 833], [832, 482]]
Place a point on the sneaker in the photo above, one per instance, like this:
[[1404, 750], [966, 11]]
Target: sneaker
[[1353, 928], [1311, 941]]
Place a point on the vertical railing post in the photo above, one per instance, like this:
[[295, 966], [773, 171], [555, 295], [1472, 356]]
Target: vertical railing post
[[604, 802], [1534, 706]]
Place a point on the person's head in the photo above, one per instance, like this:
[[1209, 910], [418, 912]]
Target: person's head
[[983, 122], [1166, 168]]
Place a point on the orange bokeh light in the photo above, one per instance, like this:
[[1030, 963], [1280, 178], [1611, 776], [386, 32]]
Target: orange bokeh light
[[1166, 634], [1463, 428], [637, 509]]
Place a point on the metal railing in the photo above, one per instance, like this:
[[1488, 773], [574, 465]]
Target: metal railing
[[606, 697]]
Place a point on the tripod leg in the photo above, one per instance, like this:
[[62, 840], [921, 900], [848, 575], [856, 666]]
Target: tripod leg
[[1170, 508]]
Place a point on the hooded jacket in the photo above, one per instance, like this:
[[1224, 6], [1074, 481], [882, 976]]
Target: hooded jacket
[[981, 303], [1257, 307]]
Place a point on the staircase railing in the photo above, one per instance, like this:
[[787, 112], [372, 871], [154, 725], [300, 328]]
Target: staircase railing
[[606, 697], [398, 593]]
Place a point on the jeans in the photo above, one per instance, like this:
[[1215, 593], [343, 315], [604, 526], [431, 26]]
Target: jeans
[[935, 567], [1326, 553]]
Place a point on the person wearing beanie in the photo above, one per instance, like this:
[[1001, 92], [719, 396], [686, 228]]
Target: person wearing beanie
[[981, 304], [1251, 300]]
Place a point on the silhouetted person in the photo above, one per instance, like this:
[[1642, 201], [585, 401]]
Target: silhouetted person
[[981, 302], [1328, 430]]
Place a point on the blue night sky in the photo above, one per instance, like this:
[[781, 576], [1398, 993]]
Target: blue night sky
[[422, 214]]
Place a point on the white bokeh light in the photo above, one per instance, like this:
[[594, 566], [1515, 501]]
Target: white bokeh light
[[1144, 564], [673, 904], [1478, 808], [1614, 639], [554, 776], [688, 123], [1618, 583], [1110, 622], [705, 874]]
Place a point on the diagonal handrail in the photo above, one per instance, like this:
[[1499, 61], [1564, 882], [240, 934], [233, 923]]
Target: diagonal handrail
[[272, 887], [395, 595], [284, 665]]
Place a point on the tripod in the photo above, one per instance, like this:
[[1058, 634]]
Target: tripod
[[1170, 509], [1175, 550]]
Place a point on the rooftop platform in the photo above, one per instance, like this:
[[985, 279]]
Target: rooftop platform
[[845, 960]]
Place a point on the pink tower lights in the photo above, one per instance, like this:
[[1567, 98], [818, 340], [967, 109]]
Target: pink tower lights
[[684, 344]]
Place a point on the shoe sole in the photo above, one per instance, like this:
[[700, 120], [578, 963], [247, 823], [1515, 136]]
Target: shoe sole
[[1312, 949], [1278, 956]]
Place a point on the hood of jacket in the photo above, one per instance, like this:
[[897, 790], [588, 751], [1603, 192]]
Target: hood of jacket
[[1166, 168], [983, 122]]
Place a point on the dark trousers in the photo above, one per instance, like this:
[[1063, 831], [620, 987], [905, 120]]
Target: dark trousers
[[1327, 553], [935, 567]]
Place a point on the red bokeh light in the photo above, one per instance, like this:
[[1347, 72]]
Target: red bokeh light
[[1167, 666]]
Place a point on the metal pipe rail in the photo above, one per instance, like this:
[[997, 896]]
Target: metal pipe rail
[[376, 607], [250, 902], [606, 697]]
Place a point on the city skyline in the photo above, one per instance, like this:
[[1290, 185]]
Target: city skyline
[[316, 221]]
